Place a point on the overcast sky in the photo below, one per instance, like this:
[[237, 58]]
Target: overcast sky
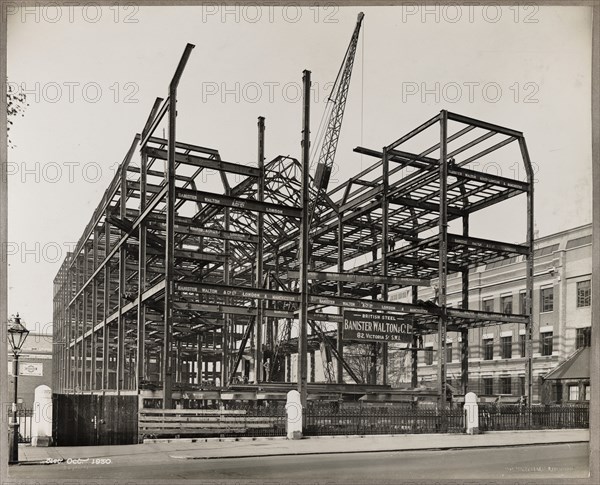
[[92, 76]]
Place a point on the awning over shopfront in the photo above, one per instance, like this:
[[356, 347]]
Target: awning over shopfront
[[575, 367]]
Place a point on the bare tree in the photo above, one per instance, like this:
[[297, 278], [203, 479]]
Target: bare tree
[[359, 358], [16, 101]]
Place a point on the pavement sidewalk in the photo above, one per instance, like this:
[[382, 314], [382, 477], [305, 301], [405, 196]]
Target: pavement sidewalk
[[216, 448]]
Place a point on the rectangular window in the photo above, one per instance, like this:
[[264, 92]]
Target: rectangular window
[[488, 349], [573, 393], [584, 293], [506, 304], [448, 352], [547, 299], [522, 385], [583, 337], [428, 356], [522, 309], [506, 347], [522, 344], [488, 386], [505, 385], [587, 392], [488, 305], [546, 343]]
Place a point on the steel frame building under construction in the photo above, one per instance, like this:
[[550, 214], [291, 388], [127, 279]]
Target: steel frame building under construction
[[173, 284]]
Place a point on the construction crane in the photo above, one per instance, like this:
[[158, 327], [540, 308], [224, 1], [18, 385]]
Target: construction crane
[[338, 97]]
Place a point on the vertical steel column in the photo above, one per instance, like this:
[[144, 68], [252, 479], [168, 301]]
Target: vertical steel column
[[166, 370], [340, 292], [270, 340], [414, 354], [464, 332], [384, 248], [81, 326], [141, 308], [226, 329], [94, 337], [214, 374], [258, 354], [443, 255], [199, 343], [121, 294], [170, 234], [68, 366], [84, 322], [77, 347], [529, 276], [178, 378], [372, 372], [303, 245], [105, 329], [74, 330]]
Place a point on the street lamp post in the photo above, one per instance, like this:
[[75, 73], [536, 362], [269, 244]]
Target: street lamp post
[[17, 334]]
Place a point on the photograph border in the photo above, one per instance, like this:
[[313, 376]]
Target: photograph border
[[5, 393]]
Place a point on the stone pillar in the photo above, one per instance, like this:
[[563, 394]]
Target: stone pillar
[[293, 408], [41, 426], [471, 413]]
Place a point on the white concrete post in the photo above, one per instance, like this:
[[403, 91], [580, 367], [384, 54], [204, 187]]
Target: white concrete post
[[293, 408], [41, 426], [471, 413]]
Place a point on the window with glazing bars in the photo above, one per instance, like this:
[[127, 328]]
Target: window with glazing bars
[[584, 293], [488, 349], [506, 347], [506, 304], [546, 343], [547, 299]]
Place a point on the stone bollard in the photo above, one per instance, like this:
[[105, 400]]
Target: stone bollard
[[41, 426], [471, 413], [293, 408]]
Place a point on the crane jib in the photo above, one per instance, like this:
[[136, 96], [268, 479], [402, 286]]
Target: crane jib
[[338, 97]]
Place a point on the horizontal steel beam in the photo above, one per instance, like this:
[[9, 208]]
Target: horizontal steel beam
[[192, 255], [238, 203], [426, 206], [491, 316], [216, 233], [236, 291], [464, 173], [484, 125], [197, 161], [476, 242], [275, 295], [360, 278], [185, 146]]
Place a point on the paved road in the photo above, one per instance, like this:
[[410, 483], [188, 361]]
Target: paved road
[[542, 461]]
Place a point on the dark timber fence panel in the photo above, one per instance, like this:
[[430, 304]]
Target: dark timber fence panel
[[87, 420], [230, 419]]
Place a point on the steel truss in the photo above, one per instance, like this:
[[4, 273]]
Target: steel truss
[[174, 282]]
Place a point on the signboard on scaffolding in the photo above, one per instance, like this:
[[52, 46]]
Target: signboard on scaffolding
[[376, 327]]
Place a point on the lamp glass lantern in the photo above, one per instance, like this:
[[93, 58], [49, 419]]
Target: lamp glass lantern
[[17, 333]]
